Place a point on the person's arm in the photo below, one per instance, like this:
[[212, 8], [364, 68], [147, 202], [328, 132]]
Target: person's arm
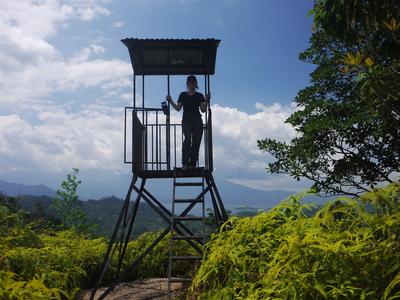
[[204, 104], [176, 106]]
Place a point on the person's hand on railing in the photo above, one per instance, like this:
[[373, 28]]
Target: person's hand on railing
[[176, 106]]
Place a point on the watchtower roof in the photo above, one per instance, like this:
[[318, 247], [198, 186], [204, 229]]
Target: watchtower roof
[[172, 56]]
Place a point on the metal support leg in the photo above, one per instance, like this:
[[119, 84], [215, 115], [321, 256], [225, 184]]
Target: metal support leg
[[132, 219], [219, 200], [165, 214], [135, 264], [217, 211], [110, 250]]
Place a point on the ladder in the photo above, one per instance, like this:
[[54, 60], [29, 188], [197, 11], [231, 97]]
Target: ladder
[[196, 240]]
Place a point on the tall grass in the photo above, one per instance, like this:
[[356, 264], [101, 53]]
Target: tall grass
[[348, 249]]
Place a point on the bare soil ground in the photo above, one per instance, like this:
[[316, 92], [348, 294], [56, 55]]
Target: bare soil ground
[[149, 289]]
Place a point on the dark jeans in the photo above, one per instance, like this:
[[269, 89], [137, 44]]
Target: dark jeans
[[192, 131]]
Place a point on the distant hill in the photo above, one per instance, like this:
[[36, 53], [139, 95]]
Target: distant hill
[[103, 212], [240, 200], [235, 195], [16, 189]]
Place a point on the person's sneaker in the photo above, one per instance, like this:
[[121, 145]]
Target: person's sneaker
[[192, 167], [185, 167]]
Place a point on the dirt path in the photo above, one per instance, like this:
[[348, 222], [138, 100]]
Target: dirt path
[[149, 289]]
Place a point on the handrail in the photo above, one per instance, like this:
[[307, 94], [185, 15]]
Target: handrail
[[155, 141], [144, 108]]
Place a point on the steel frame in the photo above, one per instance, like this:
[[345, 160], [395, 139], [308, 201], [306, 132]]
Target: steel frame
[[121, 235], [123, 228]]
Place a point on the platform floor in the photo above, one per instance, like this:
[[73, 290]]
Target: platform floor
[[180, 173]]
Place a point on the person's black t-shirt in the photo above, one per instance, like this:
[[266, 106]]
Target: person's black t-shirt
[[191, 105]]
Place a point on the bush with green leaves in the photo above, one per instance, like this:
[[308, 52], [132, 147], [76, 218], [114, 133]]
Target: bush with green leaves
[[47, 261], [12, 288], [349, 249], [68, 260], [64, 259]]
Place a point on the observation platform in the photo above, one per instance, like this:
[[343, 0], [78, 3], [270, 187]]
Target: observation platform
[[153, 146]]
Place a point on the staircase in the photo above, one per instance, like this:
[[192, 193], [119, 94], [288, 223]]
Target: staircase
[[196, 240]]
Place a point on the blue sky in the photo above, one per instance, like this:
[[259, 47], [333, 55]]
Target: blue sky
[[65, 78]]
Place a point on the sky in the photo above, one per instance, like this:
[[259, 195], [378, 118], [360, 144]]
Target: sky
[[65, 78]]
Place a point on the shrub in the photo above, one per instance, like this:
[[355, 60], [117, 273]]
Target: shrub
[[47, 262], [67, 260], [349, 249], [35, 289]]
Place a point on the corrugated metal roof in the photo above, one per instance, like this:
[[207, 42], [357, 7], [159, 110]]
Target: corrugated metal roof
[[172, 56]]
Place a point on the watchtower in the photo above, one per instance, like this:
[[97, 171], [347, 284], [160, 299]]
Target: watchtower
[[152, 144]]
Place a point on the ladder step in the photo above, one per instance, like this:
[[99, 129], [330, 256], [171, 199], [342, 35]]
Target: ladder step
[[187, 237], [188, 184], [188, 200], [176, 279], [186, 257], [188, 218]]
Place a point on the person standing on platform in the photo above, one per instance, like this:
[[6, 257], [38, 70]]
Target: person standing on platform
[[192, 124]]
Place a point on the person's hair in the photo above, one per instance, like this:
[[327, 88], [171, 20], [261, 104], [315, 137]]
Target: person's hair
[[192, 78]]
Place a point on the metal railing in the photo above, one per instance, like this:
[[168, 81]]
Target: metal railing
[[153, 143]]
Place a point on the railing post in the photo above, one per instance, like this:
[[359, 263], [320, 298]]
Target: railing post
[[125, 161], [167, 128], [146, 160], [133, 141], [143, 99], [134, 90], [157, 140], [210, 143], [134, 107], [138, 143]]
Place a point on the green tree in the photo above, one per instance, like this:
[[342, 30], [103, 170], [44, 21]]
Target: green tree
[[348, 119], [67, 203]]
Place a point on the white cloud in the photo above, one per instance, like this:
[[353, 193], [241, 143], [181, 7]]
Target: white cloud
[[118, 24], [98, 49], [236, 155], [88, 73], [88, 139], [37, 19], [19, 88], [271, 183], [92, 138], [80, 56], [240, 131], [89, 12], [31, 67]]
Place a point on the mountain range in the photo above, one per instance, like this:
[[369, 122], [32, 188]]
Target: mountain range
[[16, 189], [233, 195], [104, 211]]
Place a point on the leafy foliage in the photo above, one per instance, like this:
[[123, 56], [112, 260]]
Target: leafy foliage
[[35, 289], [348, 121], [55, 264], [349, 249], [67, 205]]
